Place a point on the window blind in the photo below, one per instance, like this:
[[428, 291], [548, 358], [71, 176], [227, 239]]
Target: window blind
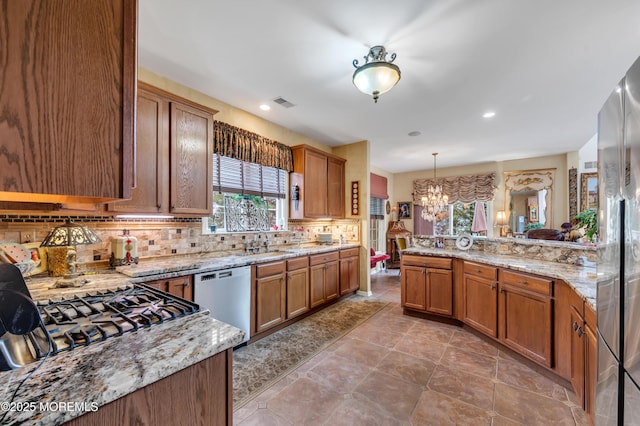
[[376, 208], [241, 177]]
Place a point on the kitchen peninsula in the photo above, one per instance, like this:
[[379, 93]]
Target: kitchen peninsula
[[125, 373]]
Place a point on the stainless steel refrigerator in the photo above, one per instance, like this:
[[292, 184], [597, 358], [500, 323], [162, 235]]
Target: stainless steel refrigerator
[[618, 298]]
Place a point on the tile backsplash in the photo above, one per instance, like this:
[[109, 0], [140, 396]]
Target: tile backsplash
[[163, 237]]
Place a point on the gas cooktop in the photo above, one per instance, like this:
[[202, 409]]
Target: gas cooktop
[[80, 321]]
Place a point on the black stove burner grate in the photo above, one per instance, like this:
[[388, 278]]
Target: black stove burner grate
[[83, 320]]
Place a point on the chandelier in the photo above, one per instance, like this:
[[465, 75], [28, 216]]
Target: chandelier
[[436, 201], [376, 76]]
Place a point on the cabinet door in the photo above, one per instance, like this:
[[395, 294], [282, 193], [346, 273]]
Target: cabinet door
[[316, 285], [270, 301], [331, 280], [67, 97], [152, 153], [414, 288], [181, 287], [577, 354], [525, 323], [591, 368], [315, 184], [191, 160], [335, 188], [297, 292], [349, 274], [480, 304], [439, 291]]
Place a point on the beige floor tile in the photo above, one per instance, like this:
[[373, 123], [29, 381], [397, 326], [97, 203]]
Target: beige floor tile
[[503, 421], [417, 345], [305, 402], [461, 385], [434, 408], [432, 330], [407, 367], [394, 396], [361, 352], [337, 372], [361, 413], [478, 364], [467, 341], [373, 334], [263, 417], [530, 408], [517, 374]]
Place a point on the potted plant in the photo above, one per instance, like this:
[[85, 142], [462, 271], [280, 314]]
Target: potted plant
[[588, 220]]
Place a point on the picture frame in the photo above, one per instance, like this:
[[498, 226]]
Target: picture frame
[[404, 210], [41, 254], [588, 191]]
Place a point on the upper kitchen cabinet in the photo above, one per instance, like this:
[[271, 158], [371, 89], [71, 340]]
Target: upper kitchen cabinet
[[174, 156], [320, 180], [67, 100]]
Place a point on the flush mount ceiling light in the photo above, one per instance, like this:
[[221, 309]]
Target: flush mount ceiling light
[[489, 114], [377, 75]]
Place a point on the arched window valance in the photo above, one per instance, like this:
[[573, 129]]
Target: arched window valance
[[466, 189]]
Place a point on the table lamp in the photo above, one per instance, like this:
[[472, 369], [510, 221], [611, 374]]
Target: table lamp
[[70, 235], [501, 221]]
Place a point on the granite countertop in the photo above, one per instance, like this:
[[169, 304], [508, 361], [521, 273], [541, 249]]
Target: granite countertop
[[581, 278]]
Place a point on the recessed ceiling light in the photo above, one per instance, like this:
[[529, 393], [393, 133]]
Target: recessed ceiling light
[[415, 133], [265, 107], [489, 114]]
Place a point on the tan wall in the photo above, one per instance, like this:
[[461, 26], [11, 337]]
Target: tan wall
[[403, 182]]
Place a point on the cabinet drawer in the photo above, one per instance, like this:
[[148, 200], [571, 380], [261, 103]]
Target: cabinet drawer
[[539, 285], [426, 261], [317, 259], [478, 270], [297, 263], [349, 252], [267, 269]]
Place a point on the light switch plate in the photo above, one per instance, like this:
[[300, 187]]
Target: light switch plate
[[27, 236]]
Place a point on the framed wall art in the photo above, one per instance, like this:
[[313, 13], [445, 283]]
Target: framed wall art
[[404, 210]]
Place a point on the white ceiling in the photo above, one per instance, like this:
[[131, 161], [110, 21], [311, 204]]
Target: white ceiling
[[545, 67]]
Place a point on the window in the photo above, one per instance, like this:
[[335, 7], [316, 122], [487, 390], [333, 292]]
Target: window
[[246, 196], [458, 219]]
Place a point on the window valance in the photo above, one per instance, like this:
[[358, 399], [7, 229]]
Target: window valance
[[234, 142], [466, 189]]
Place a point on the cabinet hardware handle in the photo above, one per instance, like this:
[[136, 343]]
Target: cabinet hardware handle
[[575, 326], [502, 290], [493, 287], [522, 282], [477, 270], [579, 331]]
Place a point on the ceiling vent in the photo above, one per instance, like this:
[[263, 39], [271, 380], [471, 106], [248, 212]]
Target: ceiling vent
[[283, 102], [590, 164]]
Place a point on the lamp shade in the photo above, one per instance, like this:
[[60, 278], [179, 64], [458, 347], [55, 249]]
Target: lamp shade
[[501, 218], [377, 75], [70, 234]]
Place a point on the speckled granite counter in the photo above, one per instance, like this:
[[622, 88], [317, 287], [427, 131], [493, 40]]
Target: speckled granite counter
[[581, 278]]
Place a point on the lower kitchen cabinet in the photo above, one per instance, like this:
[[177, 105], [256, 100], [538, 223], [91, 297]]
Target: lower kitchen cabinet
[[349, 270], [526, 315], [297, 286], [427, 284], [204, 397], [591, 368], [480, 297], [270, 291], [178, 286], [324, 278]]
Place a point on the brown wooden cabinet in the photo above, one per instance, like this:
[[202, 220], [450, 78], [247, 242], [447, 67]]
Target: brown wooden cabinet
[[201, 394], [591, 366], [270, 291], [526, 315], [578, 351], [480, 297], [67, 96], [324, 278], [427, 284], [174, 156], [297, 286], [178, 286], [349, 270], [320, 179]]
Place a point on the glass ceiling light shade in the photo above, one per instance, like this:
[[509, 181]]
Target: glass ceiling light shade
[[436, 201], [70, 234], [377, 75]]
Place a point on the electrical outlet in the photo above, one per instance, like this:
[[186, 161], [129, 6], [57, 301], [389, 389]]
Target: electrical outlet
[[27, 236]]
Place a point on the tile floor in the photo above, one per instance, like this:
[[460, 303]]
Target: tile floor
[[399, 370]]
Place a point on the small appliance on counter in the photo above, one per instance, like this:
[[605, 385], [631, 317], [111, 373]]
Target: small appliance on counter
[[124, 250]]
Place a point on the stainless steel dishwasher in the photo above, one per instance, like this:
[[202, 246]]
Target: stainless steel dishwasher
[[227, 294]]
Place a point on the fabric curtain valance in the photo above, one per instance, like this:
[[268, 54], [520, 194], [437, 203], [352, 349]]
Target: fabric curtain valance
[[234, 142], [466, 189]]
